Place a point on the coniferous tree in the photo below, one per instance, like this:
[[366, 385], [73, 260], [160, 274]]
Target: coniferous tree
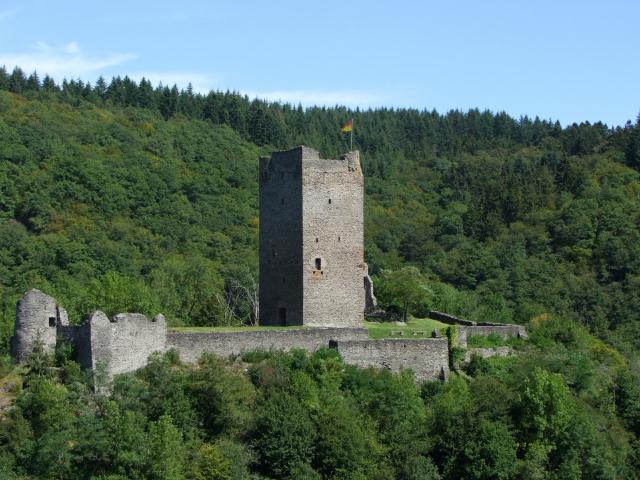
[[33, 82], [48, 84], [17, 81], [4, 78]]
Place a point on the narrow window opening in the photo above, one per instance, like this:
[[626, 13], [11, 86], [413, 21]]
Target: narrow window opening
[[318, 263], [282, 201], [338, 237], [316, 239], [329, 201], [282, 316], [52, 321]]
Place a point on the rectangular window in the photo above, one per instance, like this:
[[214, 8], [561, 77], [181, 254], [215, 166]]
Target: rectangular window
[[318, 264], [52, 321]]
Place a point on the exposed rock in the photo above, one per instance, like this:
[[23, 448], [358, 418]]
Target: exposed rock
[[370, 301]]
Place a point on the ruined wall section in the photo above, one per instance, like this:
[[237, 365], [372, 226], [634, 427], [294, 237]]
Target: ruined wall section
[[333, 241], [123, 344], [37, 316], [504, 330], [191, 346], [428, 358], [281, 238]]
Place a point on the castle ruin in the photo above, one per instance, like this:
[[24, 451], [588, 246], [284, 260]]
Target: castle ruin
[[312, 275]]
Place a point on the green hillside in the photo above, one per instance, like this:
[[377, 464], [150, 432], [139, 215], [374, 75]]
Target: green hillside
[[122, 196], [125, 197]]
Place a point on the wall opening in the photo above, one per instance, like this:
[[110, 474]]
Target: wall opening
[[318, 263], [329, 201], [338, 237], [282, 201], [316, 239], [52, 321], [282, 316]]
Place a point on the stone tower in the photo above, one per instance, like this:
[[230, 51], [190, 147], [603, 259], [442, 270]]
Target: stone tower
[[311, 240], [37, 319]]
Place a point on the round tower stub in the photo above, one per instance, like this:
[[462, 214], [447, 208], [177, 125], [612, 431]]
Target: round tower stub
[[36, 320]]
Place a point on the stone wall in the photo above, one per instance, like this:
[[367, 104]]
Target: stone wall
[[333, 240], [428, 358], [485, 352], [312, 268], [191, 346], [281, 238], [504, 330], [449, 319], [123, 344]]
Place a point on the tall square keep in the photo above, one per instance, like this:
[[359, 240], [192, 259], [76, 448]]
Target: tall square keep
[[312, 266]]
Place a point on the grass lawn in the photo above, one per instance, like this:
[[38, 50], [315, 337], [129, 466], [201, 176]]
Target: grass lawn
[[422, 327], [230, 329]]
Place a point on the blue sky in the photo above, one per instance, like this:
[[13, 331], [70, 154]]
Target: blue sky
[[564, 59]]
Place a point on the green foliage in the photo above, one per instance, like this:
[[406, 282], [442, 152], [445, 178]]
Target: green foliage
[[122, 196], [284, 436], [299, 415], [211, 464], [165, 455], [405, 289], [493, 340], [125, 196]]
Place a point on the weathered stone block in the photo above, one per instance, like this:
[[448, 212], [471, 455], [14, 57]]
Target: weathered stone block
[[428, 358]]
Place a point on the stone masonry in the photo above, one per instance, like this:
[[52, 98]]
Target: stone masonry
[[312, 269], [312, 275], [190, 346], [428, 358], [37, 317]]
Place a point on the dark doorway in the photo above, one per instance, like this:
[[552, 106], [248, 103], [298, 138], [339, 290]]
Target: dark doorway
[[52, 321], [282, 316]]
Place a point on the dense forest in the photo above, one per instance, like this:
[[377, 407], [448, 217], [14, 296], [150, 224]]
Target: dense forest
[[125, 196]]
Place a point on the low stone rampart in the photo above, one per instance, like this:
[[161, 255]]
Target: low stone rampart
[[190, 346], [449, 319], [428, 358], [504, 330], [485, 352]]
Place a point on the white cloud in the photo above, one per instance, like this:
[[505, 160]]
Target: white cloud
[[68, 61], [320, 97]]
